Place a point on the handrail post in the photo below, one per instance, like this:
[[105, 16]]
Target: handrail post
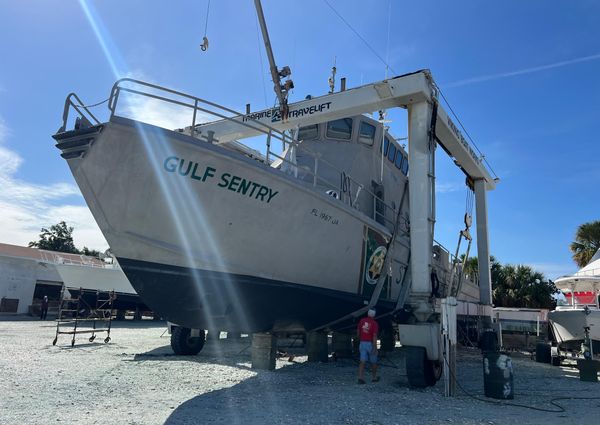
[[268, 146], [114, 108], [193, 129]]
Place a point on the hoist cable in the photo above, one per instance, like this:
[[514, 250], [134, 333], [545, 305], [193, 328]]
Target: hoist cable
[[206, 23]]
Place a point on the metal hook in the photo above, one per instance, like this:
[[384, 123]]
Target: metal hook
[[204, 45]]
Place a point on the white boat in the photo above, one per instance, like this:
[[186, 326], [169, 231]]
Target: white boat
[[89, 277], [581, 311]]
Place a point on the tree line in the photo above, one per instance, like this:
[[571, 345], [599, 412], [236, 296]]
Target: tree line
[[59, 237]]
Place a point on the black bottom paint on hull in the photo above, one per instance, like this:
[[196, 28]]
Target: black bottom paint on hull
[[122, 302], [213, 300]]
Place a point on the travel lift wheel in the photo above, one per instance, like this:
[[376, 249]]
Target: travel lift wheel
[[92, 338], [184, 344], [421, 371], [543, 352], [556, 356]]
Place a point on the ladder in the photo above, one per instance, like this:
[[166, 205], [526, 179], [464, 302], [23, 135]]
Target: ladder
[[75, 311]]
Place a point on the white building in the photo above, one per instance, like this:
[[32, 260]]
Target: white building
[[27, 274]]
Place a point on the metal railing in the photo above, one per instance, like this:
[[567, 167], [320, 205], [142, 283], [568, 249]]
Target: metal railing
[[591, 272], [72, 259], [347, 188]]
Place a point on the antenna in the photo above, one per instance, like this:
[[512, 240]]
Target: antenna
[[282, 90], [332, 78]]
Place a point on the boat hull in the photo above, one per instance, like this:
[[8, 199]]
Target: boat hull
[[210, 238], [87, 280], [222, 301], [568, 325]]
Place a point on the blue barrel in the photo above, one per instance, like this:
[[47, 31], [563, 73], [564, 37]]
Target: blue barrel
[[498, 375]]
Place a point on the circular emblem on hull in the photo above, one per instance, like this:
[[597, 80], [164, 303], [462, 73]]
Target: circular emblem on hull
[[375, 265]]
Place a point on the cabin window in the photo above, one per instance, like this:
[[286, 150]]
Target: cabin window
[[366, 134], [405, 166], [386, 145], [340, 129], [392, 152], [398, 162], [308, 132]]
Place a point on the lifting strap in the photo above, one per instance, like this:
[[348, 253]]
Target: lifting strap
[[380, 281]]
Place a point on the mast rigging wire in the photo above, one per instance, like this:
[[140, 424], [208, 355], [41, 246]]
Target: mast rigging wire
[[384, 61], [359, 36]]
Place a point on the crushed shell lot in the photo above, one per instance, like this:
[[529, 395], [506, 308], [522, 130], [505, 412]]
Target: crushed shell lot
[[135, 379]]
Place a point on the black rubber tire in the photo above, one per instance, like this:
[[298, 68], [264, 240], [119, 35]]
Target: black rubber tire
[[543, 352], [185, 345], [421, 371], [387, 338]]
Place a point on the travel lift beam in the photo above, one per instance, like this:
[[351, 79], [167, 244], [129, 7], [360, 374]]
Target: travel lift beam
[[417, 93]]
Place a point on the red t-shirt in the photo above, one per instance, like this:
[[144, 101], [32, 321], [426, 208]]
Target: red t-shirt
[[367, 327]]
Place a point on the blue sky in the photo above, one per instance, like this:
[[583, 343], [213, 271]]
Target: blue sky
[[522, 76]]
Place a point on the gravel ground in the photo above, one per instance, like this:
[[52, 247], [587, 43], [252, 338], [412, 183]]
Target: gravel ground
[[136, 380]]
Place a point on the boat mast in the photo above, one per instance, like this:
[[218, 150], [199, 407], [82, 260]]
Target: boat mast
[[281, 90]]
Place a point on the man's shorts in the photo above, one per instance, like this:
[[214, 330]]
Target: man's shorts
[[366, 352]]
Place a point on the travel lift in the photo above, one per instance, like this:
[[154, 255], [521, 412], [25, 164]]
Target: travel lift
[[428, 125]]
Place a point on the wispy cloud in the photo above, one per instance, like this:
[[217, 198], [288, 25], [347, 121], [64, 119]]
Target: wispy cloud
[[27, 207], [157, 112], [447, 187], [554, 270], [524, 71]]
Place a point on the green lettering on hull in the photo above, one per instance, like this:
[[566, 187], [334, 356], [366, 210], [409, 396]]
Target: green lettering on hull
[[205, 174]]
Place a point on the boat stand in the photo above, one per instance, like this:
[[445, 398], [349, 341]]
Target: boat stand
[[73, 311]]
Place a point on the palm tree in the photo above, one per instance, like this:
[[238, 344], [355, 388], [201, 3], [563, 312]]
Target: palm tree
[[587, 242]]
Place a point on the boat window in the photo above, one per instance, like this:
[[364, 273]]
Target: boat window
[[366, 134], [308, 132], [398, 162], [340, 129], [386, 144], [392, 152], [405, 166]]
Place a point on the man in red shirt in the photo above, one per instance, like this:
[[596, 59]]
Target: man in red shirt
[[367, 330]]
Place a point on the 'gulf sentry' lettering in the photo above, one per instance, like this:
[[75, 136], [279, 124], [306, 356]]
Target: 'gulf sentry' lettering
[[206, 174]]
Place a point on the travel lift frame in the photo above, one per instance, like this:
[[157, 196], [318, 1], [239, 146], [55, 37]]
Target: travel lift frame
[[428, 125]]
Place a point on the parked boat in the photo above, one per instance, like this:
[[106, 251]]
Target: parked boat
[[581, 311], [99, 276]]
